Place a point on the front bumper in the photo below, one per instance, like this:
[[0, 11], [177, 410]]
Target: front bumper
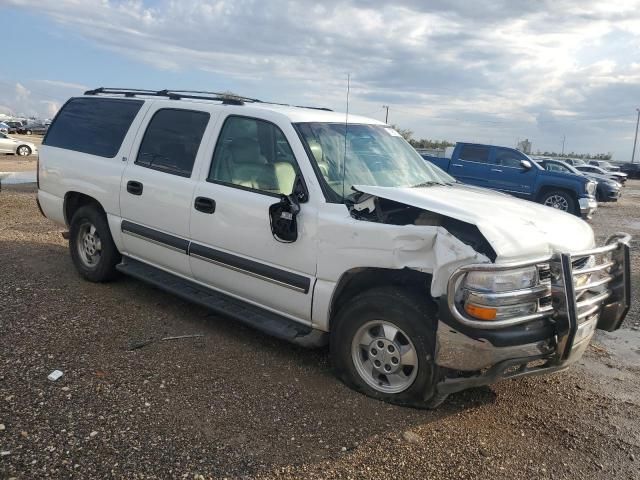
[[588, 206], [472, 353], [609, 195]]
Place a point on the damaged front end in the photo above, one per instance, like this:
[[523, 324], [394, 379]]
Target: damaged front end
[[509, 319]]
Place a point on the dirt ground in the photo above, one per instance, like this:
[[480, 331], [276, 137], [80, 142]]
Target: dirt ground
[[238, 404], [15, 163]]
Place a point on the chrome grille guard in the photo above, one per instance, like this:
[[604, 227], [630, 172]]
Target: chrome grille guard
[[573, 288]]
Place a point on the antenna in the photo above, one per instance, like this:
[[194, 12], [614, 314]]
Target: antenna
[[346, 127]]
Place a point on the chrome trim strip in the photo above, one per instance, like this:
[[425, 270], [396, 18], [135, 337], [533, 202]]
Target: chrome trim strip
[[593, 300], [524, 295], [594, 284], [247, 272], [597, 268]]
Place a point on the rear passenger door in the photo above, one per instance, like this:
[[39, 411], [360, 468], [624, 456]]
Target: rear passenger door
[[233, 249], [472, 165], [157, 189]]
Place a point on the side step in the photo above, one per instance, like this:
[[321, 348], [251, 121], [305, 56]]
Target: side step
[[256, 317]]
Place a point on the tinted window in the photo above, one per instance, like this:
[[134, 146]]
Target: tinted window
[[253, 154], [171, 141], [93, 125], [556, 167], [475, 153], [508, 158]]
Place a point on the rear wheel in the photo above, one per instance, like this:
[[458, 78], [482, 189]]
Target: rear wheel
[[92, 249], [560, 201], [382, 345]]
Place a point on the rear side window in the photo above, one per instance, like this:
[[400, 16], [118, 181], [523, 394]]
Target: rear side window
[[96, 126], [475, 153], [171, 141]]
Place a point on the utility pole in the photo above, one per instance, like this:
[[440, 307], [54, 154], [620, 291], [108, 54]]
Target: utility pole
[[635, 140], [386, 117], [564, 137]]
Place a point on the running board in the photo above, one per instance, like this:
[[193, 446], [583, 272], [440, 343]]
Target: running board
[[256, 317]]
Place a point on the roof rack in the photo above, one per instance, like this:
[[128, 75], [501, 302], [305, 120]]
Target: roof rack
[[224, 98]]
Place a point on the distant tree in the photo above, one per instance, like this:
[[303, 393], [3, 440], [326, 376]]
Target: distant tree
[[405, 132]]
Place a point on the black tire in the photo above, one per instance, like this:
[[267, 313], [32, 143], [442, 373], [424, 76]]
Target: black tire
[[24, 147], [103, 269], [415, 317], [568, 200]]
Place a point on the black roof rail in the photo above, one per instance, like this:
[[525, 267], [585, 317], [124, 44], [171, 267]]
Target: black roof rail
[[224, 98]]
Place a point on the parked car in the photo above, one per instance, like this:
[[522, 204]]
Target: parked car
[[15, 127], [35, 129], [14, 146], [604, 165], [617, 176], [608, 190], [4, 128], [631, 169], [316, 230], [510, 171]]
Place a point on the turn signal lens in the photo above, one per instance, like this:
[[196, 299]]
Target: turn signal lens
[[483, 313]]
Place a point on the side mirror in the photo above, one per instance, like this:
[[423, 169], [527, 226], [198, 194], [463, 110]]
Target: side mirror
[[283, 219], [283, 215], [526, 164]]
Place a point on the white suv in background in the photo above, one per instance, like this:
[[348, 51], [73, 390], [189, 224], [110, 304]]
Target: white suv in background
[[316, 227]]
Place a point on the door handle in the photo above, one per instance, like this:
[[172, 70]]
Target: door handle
[[456, 165], [205, 205], [496, 170], [134, 188]]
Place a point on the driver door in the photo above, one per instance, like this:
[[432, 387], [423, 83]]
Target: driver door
[[508, 174], [233, 249]]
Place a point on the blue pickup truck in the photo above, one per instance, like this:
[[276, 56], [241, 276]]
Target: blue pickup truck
[[511, 171]]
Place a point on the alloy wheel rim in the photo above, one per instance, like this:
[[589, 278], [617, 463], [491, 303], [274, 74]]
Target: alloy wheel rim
[[558, 202], [384, 356], [89, 245], [23, 151]]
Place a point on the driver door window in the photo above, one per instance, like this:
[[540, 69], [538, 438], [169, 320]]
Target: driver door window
[[508, 158], [255, 155]]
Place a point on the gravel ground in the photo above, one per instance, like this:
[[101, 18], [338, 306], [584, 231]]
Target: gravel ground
[[237, 404]]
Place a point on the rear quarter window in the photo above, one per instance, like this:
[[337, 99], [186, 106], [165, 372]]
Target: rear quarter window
[[96, 126]]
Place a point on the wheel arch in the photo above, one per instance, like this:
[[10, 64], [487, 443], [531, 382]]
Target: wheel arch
[[74, 200], [556, 188], [358, 280]]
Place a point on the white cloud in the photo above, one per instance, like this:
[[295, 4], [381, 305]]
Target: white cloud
[[492, 70]]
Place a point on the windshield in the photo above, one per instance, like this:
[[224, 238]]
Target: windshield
[[375, 155]]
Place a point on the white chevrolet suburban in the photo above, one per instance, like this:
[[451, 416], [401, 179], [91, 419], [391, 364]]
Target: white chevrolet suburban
[[319, 227]]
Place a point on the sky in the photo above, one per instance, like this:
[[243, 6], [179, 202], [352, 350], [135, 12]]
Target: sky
[[483, 71]]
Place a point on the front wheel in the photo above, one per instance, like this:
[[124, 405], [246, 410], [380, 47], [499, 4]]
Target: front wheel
[[382, 345], [560, 201], [23, 151], [92, 249]]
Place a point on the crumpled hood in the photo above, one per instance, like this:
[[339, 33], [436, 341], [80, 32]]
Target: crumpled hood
[[515, 228]]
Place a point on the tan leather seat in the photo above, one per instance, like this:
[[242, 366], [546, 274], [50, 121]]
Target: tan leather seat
[[318, 155], [249, 168], [285, 175]]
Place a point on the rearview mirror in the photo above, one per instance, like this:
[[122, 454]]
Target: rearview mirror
[[526, 164]]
